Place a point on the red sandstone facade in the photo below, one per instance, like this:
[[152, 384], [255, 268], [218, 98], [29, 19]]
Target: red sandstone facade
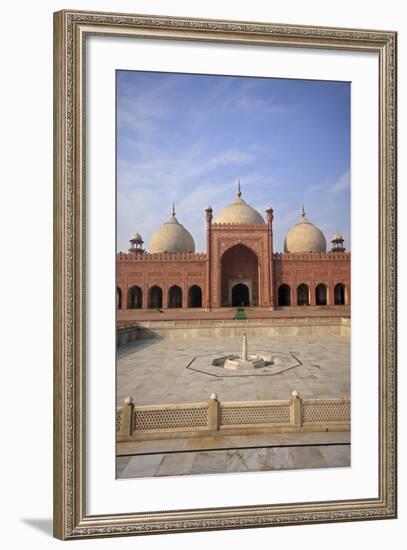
[[238, 269]]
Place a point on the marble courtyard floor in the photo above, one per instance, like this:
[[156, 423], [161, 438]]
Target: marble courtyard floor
[[159, 371], [162, 371]]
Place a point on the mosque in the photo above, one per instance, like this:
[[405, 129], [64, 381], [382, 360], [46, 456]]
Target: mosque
[[239, 267]]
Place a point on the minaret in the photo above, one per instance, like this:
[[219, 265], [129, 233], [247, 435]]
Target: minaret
[[136, 244], [208, 217], [270, 217], [337, 243]]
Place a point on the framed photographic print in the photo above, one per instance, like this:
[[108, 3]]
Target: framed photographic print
[[225, 274]]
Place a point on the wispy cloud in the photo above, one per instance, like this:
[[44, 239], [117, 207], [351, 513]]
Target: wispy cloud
[[175, 173], [257, 106], [342, 184]]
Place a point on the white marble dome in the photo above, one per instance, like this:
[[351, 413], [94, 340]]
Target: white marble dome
[[172, 237], [305, 237], [137, 237], [239, 212]]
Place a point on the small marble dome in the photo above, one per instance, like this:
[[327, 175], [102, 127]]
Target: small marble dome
[[137, 238], [239, 212], [305, 237], [337, 237], [172, 237]]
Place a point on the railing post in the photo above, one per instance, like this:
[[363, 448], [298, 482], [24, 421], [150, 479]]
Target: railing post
[[296, 409], [128, 416], [213, 413]]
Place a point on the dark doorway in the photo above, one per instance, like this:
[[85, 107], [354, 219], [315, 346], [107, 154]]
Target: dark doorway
[[284, 295], [135, 297], [302, 295], [155, 297], [320, 295], [175, 297], [195, 296], [118, 298], [339, 294], [240, 295]]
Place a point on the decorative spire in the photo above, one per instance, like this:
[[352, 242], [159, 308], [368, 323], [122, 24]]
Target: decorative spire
[[208, 214], [239, 192], [173, 209], [303, 211], [269, 213]]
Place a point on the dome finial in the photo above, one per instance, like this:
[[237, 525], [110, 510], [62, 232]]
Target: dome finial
[[302, 211], [239, 191], [173, 209]]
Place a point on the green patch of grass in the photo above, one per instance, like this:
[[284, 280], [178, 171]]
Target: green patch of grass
[[240, 314]]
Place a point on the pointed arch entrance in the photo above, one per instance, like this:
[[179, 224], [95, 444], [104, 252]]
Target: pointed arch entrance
[[321, 295], [239, 277], [175, 296], [135, 297], [339, 294], [155, 297], [302, 295], [195, 296], [284, 295], [118, 298]]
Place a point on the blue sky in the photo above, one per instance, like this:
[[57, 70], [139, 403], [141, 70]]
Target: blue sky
[[189, 138]]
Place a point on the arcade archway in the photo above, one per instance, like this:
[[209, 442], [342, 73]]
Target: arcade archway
[[303, 295], [155, 297], [175, 297], [321, 295], [135, 297], [195, 296], [118, 298], [284, 295], [339, 294]]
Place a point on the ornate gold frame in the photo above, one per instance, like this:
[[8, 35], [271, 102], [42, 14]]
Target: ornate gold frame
[[70, 31]]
